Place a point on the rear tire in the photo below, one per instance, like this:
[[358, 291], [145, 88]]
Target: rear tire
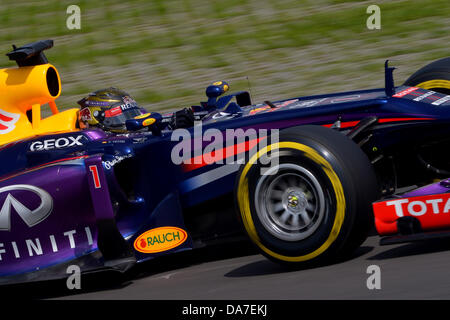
[[434, 76], [316, 206]]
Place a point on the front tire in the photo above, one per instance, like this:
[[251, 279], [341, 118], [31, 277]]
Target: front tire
[[434, 76], [314, 205]]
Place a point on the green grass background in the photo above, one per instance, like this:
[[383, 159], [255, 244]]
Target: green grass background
[[165, 52]]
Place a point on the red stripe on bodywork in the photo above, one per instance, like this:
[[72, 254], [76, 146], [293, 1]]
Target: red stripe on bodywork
[[345, 124], [41, 166], [348, 124], [401, 119], [220, 154]]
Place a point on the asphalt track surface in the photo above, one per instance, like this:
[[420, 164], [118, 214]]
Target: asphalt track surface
[[418, 270]]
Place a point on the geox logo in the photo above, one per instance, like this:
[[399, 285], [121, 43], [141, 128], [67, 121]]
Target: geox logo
[[56, 143], [7, 121], [30, 217]]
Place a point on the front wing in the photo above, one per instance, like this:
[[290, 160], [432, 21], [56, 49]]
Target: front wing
[[420, 214]]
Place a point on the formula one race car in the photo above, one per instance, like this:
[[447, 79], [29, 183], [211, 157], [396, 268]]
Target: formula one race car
[[301, 173]]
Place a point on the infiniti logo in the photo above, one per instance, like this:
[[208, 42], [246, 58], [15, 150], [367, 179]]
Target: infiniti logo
[[30, 217]]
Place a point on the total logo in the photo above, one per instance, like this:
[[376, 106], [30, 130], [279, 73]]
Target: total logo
[[160, 239], [418, 207], [30, 217], [60, 143]]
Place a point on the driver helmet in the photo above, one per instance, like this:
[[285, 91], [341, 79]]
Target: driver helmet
[[108, 109]]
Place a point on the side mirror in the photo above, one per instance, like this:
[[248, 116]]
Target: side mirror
[[215, 90], [149, 120]]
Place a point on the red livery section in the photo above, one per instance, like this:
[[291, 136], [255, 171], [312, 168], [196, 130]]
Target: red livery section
[[405, 92], [216, 156], [113, 112], [433, 212], [5, 118]]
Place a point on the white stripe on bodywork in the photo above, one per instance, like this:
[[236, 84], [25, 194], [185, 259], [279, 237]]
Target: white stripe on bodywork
[[77, 162], [208, 177], [441, 101], [8, 124]]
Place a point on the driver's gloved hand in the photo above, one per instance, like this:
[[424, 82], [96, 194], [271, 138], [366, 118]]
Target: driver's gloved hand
[[182, 119]]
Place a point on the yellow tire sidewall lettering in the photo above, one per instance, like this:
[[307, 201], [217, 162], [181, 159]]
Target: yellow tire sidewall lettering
[[243, 197], [438, 83]]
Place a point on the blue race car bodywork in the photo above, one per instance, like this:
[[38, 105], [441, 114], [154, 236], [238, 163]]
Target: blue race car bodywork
[[102, 200]]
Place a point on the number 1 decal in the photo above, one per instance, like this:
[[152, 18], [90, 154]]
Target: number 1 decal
[[96, 177]]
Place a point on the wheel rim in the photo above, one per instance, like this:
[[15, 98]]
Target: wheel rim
[[290, 203]]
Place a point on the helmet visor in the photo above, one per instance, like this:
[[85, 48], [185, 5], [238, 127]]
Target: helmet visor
[[117, 116]]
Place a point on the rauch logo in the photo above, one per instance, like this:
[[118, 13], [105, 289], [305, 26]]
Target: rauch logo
[[160, 239]]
